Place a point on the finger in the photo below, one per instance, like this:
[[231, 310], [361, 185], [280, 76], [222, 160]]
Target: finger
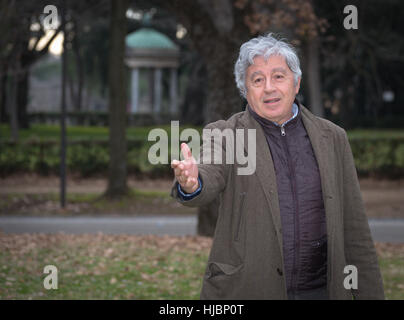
[[190, 182], [186, 152], [178, 172], [174, 164], [188, 163]]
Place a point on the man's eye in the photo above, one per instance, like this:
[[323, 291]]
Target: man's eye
[[258, 80], [279, 76]]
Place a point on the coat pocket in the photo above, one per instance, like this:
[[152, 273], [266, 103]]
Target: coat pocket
[[318, 254], [240, 216], [217, 269], [222, 281]]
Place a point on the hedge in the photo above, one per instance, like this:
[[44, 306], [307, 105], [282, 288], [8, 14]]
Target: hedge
[[95, 118], [86, 157], [379, 156], [373, 156]]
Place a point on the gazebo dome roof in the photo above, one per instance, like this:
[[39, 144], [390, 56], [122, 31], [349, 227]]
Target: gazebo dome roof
[[149, 38]]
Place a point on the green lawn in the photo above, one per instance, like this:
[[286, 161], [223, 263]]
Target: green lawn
[[393, 277], [38, 131], [48, 204], [102, 266], [376, 133], [127, 266]]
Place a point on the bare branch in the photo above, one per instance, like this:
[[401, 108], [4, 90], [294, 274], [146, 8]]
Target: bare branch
[[46, 47]]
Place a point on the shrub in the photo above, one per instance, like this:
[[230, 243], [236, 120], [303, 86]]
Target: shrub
[[373, 156], [87, 158], [382, 156], [399, 156]]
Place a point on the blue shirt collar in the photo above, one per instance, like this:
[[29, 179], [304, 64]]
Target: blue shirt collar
[[295, 110]]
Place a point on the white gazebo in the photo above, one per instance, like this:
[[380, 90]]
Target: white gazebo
[[148, 53]]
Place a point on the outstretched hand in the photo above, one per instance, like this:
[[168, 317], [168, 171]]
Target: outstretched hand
[[186, 171]]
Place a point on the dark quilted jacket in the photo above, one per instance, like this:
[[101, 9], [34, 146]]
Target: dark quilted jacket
[[301, 204]]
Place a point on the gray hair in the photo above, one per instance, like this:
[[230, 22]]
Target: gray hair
[[265, 46]]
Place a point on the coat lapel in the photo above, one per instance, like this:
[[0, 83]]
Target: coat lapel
[[323, 147], [265, 171]]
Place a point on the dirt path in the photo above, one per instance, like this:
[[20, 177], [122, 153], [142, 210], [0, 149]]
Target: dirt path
[[31, 183], [382, 198]]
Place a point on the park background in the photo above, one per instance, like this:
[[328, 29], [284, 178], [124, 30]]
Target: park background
[[110, 71]]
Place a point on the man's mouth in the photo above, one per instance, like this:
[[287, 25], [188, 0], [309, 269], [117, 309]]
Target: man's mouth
[[273, 100]]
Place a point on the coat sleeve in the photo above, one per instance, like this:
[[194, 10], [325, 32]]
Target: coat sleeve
[[359, 247], [213, 175]]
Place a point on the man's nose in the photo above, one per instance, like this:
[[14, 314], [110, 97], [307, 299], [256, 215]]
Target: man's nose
[[269, 85]]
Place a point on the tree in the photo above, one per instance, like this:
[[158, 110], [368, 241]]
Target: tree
[[217, 29], [117, 184], [87, 38], [313, 75], [362, 63], [22, 39], [19, 47]]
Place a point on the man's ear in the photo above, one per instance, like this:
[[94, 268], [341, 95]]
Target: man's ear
[[298, 85]]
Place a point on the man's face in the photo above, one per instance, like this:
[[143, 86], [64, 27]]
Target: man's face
[[270, 88]]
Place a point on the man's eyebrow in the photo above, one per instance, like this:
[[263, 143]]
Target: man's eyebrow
[[256, 73]]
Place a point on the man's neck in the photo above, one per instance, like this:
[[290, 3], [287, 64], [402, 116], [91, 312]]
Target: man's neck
[[293, 114]]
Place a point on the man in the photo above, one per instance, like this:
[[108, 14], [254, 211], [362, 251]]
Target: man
[[296, 228]]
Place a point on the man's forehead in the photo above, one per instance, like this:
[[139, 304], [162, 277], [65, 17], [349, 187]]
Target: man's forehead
[[274, 63]]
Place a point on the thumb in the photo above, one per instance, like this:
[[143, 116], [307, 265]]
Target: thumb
[[186, 152]]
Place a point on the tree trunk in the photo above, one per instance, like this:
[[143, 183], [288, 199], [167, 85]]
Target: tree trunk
[[3, 93], [223, 100], [72, 101], [79, 68], [13, 106], [313, 77], [117, 184], [195, 94], [22, 97], [216, 30]]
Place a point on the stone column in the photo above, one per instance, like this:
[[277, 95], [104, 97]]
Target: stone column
[[135, 90], [173, 91], [157, 91]]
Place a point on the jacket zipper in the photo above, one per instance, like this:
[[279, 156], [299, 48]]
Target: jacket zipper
[[296, 216], [237, 236]]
